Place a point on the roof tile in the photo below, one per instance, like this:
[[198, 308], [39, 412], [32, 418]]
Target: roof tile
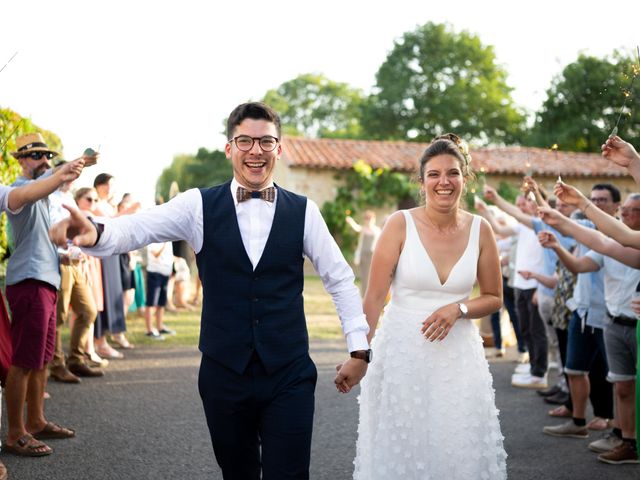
[[340, 154]]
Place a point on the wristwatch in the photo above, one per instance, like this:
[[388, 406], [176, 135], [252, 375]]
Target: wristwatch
[[366, 355], [464, 311]]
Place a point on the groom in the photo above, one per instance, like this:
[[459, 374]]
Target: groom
[[250, 236]]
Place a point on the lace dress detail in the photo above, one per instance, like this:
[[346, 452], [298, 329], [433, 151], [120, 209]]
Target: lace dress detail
[[427, 410]]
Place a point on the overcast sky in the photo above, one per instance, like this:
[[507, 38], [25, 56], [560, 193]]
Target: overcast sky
[[147, 80]]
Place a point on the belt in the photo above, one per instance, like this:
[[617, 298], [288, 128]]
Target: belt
[[626, 321]]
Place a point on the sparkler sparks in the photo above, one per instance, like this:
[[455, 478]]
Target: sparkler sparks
[[635, 71]]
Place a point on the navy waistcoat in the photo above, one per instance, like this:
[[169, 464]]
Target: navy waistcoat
[[247, 311]]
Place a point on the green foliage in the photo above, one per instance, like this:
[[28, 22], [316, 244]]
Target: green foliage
[[12, 125], [584, 101], [205, 169], [311, 105], [435, 81], [363, 188], [508, 191]]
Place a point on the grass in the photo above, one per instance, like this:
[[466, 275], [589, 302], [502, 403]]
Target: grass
[[322, 320]]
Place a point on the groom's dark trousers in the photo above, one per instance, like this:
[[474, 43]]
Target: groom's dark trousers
[[256, 378]]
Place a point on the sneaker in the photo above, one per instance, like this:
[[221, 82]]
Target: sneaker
[[529, 381], [559, 398], [523, 357], [166, 331], [549, 391], [154, 335], [523, 368], [567, 429], [623, 453], [607, 443]]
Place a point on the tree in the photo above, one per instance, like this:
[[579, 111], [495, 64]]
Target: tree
[[584, 102], [362, 188], [12, 125], [204, 169], [314, 106], [435, 81]]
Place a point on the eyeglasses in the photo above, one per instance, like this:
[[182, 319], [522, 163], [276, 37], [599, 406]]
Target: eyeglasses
[[245, 142], [599, 200], [90, 199], [634, 210], [38, 155]]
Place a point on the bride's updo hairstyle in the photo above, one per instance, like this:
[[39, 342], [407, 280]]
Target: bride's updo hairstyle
[[448, 144]]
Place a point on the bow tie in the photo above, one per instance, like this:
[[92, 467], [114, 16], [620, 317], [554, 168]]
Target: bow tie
[[268, 194]]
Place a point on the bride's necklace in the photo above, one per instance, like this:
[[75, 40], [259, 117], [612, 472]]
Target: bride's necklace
[[447, 230]]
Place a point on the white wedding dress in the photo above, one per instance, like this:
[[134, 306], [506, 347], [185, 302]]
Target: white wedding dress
[[427, 410]]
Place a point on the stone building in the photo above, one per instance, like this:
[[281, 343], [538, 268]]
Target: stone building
[[312, 166]]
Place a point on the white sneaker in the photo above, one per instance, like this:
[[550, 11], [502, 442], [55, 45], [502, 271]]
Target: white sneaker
[[523, 368], [607, 443], [529, 381]]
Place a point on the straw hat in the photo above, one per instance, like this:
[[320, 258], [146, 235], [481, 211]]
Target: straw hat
[[31, 142]]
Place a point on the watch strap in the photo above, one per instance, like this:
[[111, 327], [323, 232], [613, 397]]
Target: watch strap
[[99, 229]]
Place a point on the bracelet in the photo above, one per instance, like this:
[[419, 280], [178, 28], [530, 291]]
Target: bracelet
[[588, 205], [99, 229]]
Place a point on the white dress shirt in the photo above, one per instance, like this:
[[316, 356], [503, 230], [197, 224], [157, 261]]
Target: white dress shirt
[[182, 219]]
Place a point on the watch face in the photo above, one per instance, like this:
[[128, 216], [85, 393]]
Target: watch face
[[463, 309]]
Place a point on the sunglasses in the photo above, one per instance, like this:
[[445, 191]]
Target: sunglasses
[[38, 155]]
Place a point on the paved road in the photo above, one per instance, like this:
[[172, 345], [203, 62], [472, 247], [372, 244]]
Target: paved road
[[144, 421]]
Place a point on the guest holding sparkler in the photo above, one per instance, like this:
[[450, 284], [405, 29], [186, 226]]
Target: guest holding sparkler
[[620, 266], [529, 257]]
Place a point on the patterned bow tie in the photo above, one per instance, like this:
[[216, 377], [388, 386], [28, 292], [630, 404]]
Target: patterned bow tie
[[268, 194]]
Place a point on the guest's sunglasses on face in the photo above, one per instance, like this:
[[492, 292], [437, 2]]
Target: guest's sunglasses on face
[[38, 155]]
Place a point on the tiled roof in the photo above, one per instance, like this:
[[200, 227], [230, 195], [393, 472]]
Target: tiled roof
[[338, 154]]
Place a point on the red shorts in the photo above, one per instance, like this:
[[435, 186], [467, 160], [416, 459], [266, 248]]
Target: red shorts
[[33, 323]]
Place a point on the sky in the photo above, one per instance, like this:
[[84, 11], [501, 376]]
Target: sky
[[144, 81]]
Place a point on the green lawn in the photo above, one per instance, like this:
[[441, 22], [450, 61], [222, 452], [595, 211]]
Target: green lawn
[[322, 320]]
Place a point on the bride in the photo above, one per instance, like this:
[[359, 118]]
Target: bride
[[427, 407]]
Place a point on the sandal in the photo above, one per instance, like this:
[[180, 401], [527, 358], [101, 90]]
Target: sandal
[[108, 351], [560, 411], [598, 423], [27, 446], [120, 340], [53, 430]]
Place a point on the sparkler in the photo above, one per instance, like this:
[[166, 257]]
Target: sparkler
[[20, 122], [8, 61], [627, 93], [11, 134], [554, 148]]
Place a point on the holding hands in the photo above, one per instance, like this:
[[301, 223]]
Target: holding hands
[[349, 374], [440, 322]]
